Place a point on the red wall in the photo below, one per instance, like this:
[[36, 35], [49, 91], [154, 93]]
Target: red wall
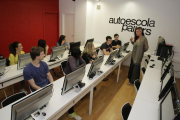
[[22, 20]]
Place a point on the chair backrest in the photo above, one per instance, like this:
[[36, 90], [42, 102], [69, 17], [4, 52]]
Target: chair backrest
[[143, 70], [126, 109], [146, 61], [63, 65], [12, 98], [7, 62], [137, 85], [97, 51]]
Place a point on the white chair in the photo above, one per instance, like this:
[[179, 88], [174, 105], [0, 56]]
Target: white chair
[[126, 109]]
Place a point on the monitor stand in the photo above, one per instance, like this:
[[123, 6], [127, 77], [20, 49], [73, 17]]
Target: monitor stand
[[38, 115]]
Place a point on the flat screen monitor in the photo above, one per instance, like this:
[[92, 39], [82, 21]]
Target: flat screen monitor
[[2, 66], [31, 103], [74, 45], [90, 40], [111, 57], [126, 46], [23, 60], [72, 79], [167, 107], [166, 86], [166, 71], [57, 52], [95, 66], [120, 51]]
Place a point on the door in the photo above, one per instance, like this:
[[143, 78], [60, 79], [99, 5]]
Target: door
[[51, 29], [68, 27]]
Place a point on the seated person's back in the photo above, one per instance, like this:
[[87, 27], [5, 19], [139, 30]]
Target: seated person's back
[[74, 61]]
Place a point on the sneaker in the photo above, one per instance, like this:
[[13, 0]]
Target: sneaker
[[75, 116], [23, 90]]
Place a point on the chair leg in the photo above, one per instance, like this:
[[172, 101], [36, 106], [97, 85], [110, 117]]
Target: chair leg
[[5, 93]]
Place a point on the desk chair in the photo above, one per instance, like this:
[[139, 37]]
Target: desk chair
[[137, 85], [12, 98], [149, 56], [63, 65], [143, 70], [97, 51], [146, 61], [126, 109]]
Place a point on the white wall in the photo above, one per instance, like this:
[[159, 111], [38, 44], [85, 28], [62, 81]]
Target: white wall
[[80, 20], [165, 13]]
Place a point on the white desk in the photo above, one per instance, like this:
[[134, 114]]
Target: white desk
[[59, 104], [13, 75], [146, 104]]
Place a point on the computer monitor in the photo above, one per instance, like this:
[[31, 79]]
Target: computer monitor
[[120, 51], [72, 79], [23, 60], [26, 106], [90, 40], [110, 58], [57, 52], [95, 66], [74, 45], [166, 71], [2, 66], [165, 87], [167, 108], [126, 46]]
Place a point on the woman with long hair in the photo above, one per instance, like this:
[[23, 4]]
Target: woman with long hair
[[62, 41], [88, 53], [16, 49], [42, 43], [74, 62], [140, 45]]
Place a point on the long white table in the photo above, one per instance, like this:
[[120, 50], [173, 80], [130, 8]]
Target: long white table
[[13, 75], [59, 104], [146, 105]]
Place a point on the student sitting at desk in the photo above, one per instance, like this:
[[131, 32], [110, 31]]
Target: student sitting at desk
[[42, 43], [88, 54], [116, 44], [106, 48], [15, 50], [37, 72], [74, 62], [62, 41]]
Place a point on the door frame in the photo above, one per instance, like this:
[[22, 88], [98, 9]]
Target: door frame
[[50, 12], [63, 22]]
